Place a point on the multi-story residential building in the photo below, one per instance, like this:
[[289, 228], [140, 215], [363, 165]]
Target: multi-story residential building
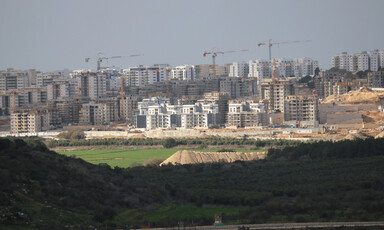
[[221, 100], [239, 69], [99, 112], [326, 80], [43, 79], [128, 106], [145, 75], [158, 113], [12, 79], [246, 113], [294, 67], [207, 70], [340, 88], [276, 92], [183, 73], [376, 79], [358, 62], [68, 110], [90, 85], [29, 122], [62, 88], [260, 69], [301, 110]]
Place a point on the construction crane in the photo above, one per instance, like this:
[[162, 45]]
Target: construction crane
[[214, 54], [100, 58], [270, 43], [14, 92]]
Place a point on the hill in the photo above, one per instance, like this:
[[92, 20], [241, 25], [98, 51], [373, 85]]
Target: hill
[[324, 181]]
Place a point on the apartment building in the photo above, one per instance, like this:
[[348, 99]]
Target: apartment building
[[340, 88], [183, 73], [246, 113], [221, 100], [90, 85], [62, 88], [12, 79], [276, 92], [293, 67], [145, 75], [363, 61], [207, 70], [43, 79], [376, 79], [68, 110], [99, 112], [158, 113], [239, 69], [301, 110], [29, 122], [128, 107]]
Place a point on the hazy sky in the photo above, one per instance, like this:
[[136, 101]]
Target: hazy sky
[[52, 34]]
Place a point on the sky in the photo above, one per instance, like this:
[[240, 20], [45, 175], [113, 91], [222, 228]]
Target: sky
[[52, 35]]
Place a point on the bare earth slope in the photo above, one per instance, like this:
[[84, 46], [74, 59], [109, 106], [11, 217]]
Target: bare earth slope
[[192, 157], [361, 96]]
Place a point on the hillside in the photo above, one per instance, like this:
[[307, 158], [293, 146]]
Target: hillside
[[323, 181], [36, 182], [363, 95]]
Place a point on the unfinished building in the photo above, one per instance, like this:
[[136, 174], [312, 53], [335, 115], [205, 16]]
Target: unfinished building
[[301, 110]]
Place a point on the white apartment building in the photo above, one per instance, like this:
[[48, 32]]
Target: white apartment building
[[363, 61], [285, 67], [156, 112], [246, 113], [184, 73], [239, 69], [145, 75]]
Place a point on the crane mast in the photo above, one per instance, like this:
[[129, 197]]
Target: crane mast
[[214, 54]]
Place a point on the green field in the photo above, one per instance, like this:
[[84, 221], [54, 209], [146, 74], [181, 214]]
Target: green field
[[124, 158]]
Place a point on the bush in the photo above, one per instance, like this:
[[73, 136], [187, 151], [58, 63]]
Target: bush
[[169, 143], [152, 162]]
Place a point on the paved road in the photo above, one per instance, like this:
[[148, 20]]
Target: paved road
[[281, 226]]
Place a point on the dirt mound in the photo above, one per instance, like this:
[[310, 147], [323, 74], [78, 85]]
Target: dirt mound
[[206, 136], [363, 95], [192, 157], [139, 136], [354, 136], [380, 135]]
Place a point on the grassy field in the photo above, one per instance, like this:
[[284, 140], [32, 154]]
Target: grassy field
[[124, 158]]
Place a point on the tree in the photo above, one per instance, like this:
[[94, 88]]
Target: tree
[[169, 143], [317, 71]]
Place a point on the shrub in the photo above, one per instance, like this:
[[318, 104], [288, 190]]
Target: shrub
[[169, 143]]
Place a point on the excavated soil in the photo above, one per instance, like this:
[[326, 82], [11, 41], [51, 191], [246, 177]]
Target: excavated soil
[[192, 157], [361, 96]]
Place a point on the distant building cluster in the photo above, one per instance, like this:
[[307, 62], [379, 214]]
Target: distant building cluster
[[257, 93], [372, 60]]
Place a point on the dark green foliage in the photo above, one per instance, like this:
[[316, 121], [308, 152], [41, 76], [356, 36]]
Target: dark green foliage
[[327, 149], [203, 142], [169, 143], [74, 134], [322, 181], [226, 150]]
